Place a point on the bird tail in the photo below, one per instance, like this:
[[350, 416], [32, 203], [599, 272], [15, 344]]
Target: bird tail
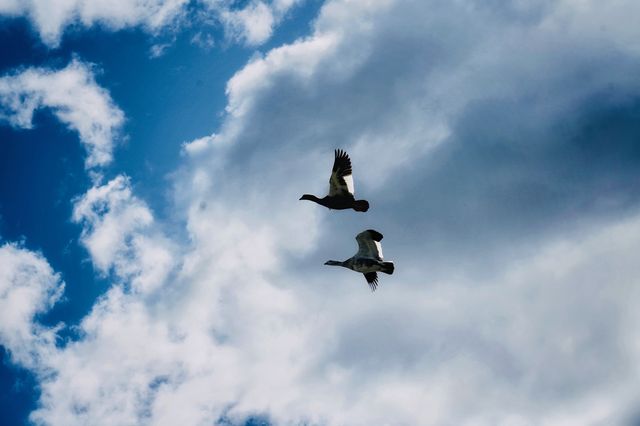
[[387, 268], [361, 205]]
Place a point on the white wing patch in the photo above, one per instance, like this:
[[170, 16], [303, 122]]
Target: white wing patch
[[336, 187], [341, 180], [367, 247], [349, 181], [378, 249]]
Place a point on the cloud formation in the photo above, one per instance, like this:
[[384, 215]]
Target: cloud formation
[[50, 18], [73, 96], [521, 347], [251, 24], [254, 23], [119, 234], [28, 286], [481, 134]]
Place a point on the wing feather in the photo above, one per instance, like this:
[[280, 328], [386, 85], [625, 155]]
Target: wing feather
[[372, 280], [369, 244], [341, 180]]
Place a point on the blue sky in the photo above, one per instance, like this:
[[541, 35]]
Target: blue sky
[[158, 268]]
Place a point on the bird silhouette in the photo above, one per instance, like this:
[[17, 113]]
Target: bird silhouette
[[341, 189], [368, 260]]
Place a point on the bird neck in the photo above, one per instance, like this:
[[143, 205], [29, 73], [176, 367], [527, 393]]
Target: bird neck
[[311, 197]]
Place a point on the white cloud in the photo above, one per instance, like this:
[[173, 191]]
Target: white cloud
[[157, 50], [252, 24], [548, 340], [120, 234], [28, 286], [250, 322], [389, 81], [74, 98], [52, 17]]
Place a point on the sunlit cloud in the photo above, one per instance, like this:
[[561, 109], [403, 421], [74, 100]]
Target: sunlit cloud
[[505, 207], [73, 96]]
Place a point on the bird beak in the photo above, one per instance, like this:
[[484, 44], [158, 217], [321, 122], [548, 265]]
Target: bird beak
[[300, 198]]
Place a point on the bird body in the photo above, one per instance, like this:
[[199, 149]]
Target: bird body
[[368, 260], [341, 187], [338, 203]]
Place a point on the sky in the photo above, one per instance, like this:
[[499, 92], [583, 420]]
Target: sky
[[158, 268]]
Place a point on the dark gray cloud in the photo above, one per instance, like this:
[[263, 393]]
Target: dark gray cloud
[[541, 126], [505, 177]]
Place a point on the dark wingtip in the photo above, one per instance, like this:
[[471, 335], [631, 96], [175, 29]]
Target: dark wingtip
[[373, 285], [372, 280], [375, 235]]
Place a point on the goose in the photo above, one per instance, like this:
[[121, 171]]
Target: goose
[[368, 259], [341, 195]]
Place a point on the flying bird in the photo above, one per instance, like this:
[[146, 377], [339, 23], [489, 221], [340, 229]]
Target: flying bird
[[368, 259], [341, 193]]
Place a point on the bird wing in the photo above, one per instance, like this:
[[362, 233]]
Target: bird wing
[[372, 280], [341, 180], [369, 244]]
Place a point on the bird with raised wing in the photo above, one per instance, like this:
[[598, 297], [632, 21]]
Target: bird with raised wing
[[368, 260], [341, 189]]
